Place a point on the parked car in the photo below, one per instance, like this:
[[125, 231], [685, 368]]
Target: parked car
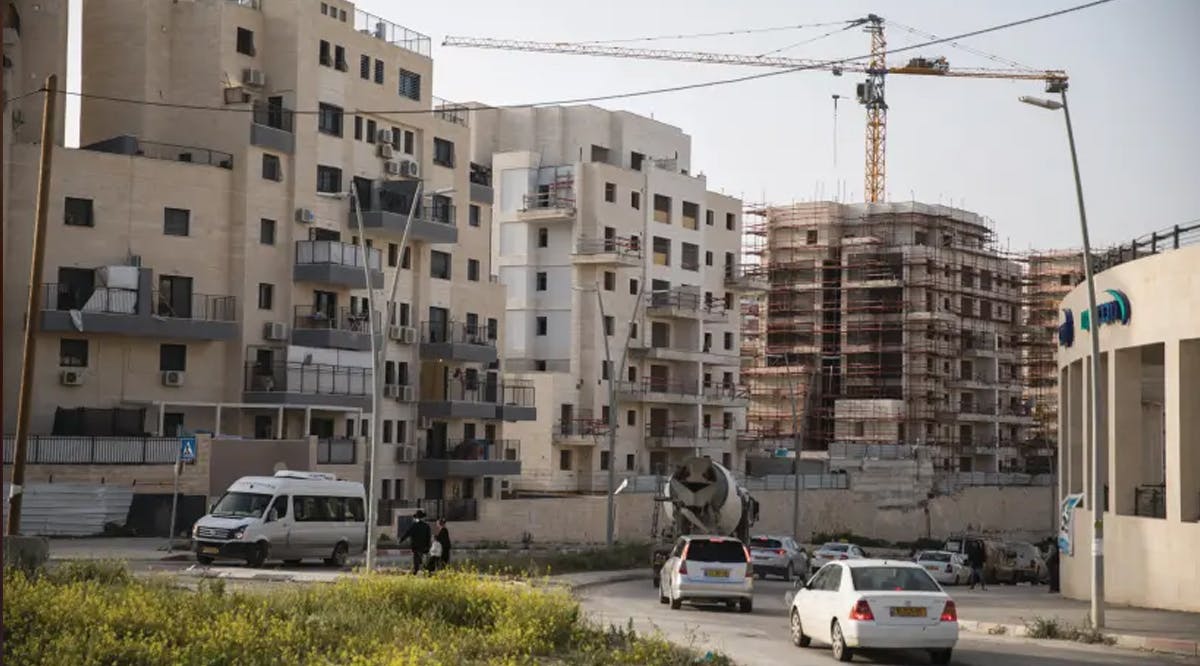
[[835, 550], [874, 604], [992, 550], [1023, 564], [708, 569], [945, 567], [778, 556]]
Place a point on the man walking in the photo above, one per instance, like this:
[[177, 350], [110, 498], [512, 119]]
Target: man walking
[[421, 536], [976, 558]]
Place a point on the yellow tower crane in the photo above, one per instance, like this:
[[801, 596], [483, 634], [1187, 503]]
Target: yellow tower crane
[[870, 93]]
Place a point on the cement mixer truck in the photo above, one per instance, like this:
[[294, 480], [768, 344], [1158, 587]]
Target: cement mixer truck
[[700, 497]]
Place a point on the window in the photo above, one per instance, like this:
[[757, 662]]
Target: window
[[662, 251], [633, 286], [473, 214], [691, 215], [339, 58], [172, 358], [324, 8], [543, 237], [266, 296], [709, 217], [707, 341], [364, 67], [727, 420], [245, 41], [176, 221], [329, 179], [329, 119], [633, 330], [401, 438], [609, 325], [635, 161], [689, 258], [406, 258], [393, 255], [78, 212], [603, 460], [629, 462], [610, 192], [635, 200], [358, 128], [540, 281], [728, 340], [543, 325], [662, 209], [410, 85], [493, 328], [539, 365], [271, 169], [72, 353], [324, 57], [473, 270], [379, 72], [631, 417], [730, 221], [443, 152], [410, 138], [564, 460], [372, 131], [439, 264], [610, 281]]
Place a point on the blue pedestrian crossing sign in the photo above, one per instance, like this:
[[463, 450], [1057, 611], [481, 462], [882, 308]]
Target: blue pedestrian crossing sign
[[187, 449]]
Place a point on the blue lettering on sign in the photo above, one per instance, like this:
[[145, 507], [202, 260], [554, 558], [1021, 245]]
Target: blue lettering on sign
[[1114, 311], [1066, 332]]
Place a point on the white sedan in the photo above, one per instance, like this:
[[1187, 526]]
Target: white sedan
[[875, 604], [946, 568]]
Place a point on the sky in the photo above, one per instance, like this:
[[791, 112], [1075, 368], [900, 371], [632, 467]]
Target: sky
[[962, 142]]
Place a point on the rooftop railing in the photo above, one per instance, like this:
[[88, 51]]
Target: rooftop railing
[[453, 112], [392, 33]]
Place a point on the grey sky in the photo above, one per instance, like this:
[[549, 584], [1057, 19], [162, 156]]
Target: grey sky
[[967, 142]]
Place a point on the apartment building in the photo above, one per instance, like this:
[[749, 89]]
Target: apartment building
[[890, 323], [204, 263], [612, 247]]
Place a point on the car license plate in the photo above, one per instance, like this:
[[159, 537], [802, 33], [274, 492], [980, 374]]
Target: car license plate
[[210, 550], [722, 573], [933, 567], [908, 611]]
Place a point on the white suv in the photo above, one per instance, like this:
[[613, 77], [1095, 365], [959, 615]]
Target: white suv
[[708, 569]]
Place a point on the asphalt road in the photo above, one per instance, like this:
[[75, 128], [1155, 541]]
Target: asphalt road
[[761, 637]]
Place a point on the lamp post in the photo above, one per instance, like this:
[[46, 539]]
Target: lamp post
[[1097, 481]]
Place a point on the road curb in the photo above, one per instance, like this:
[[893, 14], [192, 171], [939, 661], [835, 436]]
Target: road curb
[[616, 577], [1187, 648]]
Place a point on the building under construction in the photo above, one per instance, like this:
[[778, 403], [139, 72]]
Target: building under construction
[[886, 323]]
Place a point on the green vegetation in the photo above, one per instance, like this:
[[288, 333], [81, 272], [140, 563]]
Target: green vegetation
[[95, 613], [497, 558], [1055, 629]]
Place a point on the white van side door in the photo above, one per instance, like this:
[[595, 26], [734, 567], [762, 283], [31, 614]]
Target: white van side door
[[279, 530]]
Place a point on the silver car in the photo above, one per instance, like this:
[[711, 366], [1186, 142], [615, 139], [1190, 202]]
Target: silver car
[[778, 556], [836, 550]]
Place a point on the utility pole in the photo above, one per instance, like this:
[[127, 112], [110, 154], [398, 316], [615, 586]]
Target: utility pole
[[33, 308], [610, 531]]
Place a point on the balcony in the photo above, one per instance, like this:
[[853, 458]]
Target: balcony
[[131, 145], [673, 436], [682, 353], [556, 205], [746, 278], [332, 329], [456, 341], [392, 33], [579, 432], [467, 399], [728, 395], [685, 304], [660, 391], [137, 312], [288, 383], [272, 127], [387, 212], [517, 400], [469, 458], [332, 262], [619, 251]]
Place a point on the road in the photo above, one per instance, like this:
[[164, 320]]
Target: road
[[761, 638]]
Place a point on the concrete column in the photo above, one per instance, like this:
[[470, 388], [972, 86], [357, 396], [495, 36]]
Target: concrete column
[[217, 424], [1073, 409], [279, 424], [308, 421], [1125, 429], [1183, 431], [162, 416]]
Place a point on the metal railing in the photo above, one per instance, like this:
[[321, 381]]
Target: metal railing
[[62, 296], [972, 408], [336, 252], [463, 509], [554, 199], [177, 153], [744, 272], [726, 391], [788, 482], [1171, 238], [1150, 501], [472, 449], [453, 112], [620, 245], [277, 117], [580, 428], [436, 332], [83, 450], [200, 307], [517, 393], [336, 451], [308, 317], [675, 298], [392, 33], [672, 431], [652, 385], [308, 378], [852, 451]]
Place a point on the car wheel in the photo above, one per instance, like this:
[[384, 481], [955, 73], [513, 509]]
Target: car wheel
[[798, 637], [746, 605], [789, 572], [258, 555], [204, 559], [338, 559], [940, 656], [838, 642]]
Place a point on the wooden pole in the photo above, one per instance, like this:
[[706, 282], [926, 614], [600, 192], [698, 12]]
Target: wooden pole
[[33, 310]]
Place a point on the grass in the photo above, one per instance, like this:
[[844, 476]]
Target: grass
[[548, 562], [1055, 629], [96, 613]]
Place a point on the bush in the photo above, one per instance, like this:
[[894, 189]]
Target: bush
[[89, 615], [1053, 628], [534, 563]]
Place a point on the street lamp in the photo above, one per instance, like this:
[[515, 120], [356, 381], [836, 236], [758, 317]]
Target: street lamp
[[1097, 609]]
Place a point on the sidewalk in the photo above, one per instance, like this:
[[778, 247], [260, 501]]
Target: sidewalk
[[127, 549], [1136, 628]]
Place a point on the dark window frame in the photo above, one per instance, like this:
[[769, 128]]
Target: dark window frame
[[167, 360], [79, 218], [72, 353], [181, 216]]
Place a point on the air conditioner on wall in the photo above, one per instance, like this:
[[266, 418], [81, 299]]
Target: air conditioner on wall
[[410, 169], [391, 391], [408, 335], [384, 136], [407, 394], [305, 216], [71, 377], [275, 330], [391, 168], [254, 77], [385, 150], [424, 423], [236, 95], [172, 378]]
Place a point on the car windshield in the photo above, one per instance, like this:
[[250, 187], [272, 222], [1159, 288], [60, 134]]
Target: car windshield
[[954, 546], [703, 550], [892, 579], [934, 557], [835, 547], [763, 542], [241, 505]]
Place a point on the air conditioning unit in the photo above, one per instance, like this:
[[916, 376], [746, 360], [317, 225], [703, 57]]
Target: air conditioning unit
[[408, 336], [275, 330], [406, 453], [254, 77], [172, 378], [410, 169], [407, 394], [385, 150], [305, 215], [391, 168], [384, 136], [134, 260], [237, 95], [71, 377], [424, 423], [391, 391]]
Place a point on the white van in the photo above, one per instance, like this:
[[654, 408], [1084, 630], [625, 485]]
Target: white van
[[290, 516]]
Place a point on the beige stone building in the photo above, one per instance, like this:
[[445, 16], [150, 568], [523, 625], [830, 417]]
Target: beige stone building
[[203, 259], [606, 237]]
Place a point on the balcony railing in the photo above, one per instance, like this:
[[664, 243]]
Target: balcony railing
[[82, 450], [335, 252], [62, 296], [396, 35], [722, 391], [620, 245], [580, 428], [463, 509], [308, 378], [450, 111], [198, 307], [435, 332], [675, 298], [336, 451], [309, 317], [277, 117], [652, 385], [672, 431], [987, 410], [554, 199], [472, 449], [516, 393]]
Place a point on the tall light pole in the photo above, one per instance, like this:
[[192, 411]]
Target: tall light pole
[[1097, 483]]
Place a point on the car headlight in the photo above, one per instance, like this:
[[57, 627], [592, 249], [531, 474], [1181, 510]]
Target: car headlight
[[195, 530], [238, 533]]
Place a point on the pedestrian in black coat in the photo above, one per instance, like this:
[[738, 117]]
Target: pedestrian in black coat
[[421, 537], [439, 555]]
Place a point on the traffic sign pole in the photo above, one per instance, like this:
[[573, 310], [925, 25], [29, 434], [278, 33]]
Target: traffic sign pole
[[185, 453]]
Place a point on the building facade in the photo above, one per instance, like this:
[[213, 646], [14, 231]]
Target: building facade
[[612, 248], [1149, 328], [203, 258]]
